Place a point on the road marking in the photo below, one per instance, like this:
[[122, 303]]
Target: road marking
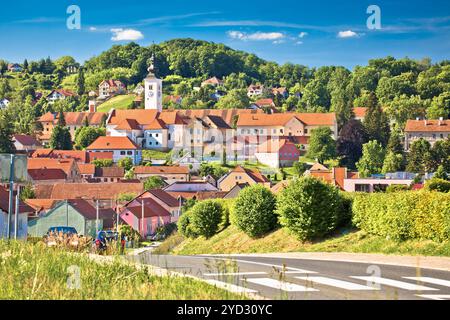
[[337, 283], [230, 287], [271, 265], [235, 273], [435, 296], [280, 285], [394, 283], [445, 283]]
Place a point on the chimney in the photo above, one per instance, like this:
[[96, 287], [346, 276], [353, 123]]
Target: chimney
[[417, 118], [92, 106], [440, 120], [425, 121]]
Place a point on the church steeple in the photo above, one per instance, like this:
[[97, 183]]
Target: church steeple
[[153, 88]]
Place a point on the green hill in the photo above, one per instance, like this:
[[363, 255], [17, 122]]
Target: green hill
[[117, 102]]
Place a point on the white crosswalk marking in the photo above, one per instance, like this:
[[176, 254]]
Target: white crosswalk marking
[[280, 285], [235, 273], [440, 282], [286, 268], [435, 296], [230, 287], [337, 283], [394, 283]]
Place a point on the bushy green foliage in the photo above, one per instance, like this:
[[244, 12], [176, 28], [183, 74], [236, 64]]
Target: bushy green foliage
[[437, 184], [322, 146], [126, 163], [310, 208], [205, 217], [102, 163], [84, 136], [154, 182], [396, 188], [254, 211], [404, 215]]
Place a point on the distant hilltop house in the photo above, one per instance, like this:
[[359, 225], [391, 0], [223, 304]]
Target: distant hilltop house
[[360, 113], [59, 94], [14, 67], [23, 142], [255, 90], [264, 104], [4, 103], [214, 81], [108, 88], [430, 130], [281, 91]]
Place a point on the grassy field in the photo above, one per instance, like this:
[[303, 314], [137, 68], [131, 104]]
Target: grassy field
[[155, 154], [117, 102], [231, 240], [30, 271]]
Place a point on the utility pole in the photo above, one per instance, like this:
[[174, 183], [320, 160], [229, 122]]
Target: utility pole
[[142, 217], [11, 197], [96, 218], [16, 214]]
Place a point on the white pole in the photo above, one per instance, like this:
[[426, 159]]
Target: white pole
[[142, 217]]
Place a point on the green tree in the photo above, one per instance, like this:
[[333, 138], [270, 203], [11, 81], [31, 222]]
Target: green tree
[[85, 136], [60, 138], [300, 168], [440, 106], [375, 122], [419, 157], [6, 132], [440, 173], [372, 159], [81, 88], [205, 217], [126, 163], [235, 98], [310, 208], [393, 162], [350, 143], [102, 163], [254, 210], [322, 146], [27, 193], [154, 182]]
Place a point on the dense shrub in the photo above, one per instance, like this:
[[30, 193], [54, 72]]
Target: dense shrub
[[253, 211], [185, 227], [205, 217], [396, 188], [437, 185], [310, 208], [404, 215]]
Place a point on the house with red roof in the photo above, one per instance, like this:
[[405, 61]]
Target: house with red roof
[[25, 142], [240, 175], [110, 87], [24, 211], [50, 171], [145, 215], [59, 94], [169, 174], [267, 105], [214, 81], [254, 90], [430, 130], [121, 147], [277, 153]]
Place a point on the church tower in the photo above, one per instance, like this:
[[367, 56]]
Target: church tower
[[153, 89]]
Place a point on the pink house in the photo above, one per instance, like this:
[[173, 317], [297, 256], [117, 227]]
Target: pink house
[[145, 216], [372, 184]]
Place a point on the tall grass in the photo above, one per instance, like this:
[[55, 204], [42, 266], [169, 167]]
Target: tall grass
[[33, 271]]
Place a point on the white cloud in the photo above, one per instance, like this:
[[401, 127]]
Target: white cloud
[[302, 34], [92, 29], [257, 36], [120, 34], [347, 34]]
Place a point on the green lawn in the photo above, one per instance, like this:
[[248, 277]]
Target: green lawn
[[231, 240], [117, 102], [155, 154], [32, 271]]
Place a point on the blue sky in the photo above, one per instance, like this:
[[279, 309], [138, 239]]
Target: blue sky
[[313, 33]]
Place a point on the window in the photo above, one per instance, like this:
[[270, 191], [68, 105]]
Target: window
[[129, 153], [122, 153], [362, 188], [150, 87], [434, 136], [306, 131], [169, 136], [156, 135], [150, 135], [156, 143], [149, 143]]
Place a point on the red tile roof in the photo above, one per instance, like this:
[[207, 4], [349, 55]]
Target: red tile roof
[[164, 197], [75, 118], [87, 190], [128, 124], [264, 102], [26, 140], [151, 209], [161, 170], [213, 80], [113, 143], [86, 168], [427, 126], [65, 165], [156, 124], [41, 204], [110, 172], [47, 174], [79, 156], [254, 174], [4, 202], [360, 112]]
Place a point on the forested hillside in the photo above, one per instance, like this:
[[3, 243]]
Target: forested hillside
[[405, 88]]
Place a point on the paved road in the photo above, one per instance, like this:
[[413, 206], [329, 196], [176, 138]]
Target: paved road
[[296, 278]]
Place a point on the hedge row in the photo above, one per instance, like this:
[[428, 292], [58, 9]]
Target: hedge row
[[404, 215]]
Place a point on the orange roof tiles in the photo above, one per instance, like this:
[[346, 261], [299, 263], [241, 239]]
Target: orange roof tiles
[[142, 116], [427, 126], [87, 190], [46, 163], [86, 168], [80, 156], [75, 118], [128, 124], [360, 112], [161, 170], [157, 124], [112, 143]]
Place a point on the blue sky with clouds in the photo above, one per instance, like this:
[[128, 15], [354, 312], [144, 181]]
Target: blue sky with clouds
[[312, 33]]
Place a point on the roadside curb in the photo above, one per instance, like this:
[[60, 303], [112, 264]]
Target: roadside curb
[[425, 262]]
